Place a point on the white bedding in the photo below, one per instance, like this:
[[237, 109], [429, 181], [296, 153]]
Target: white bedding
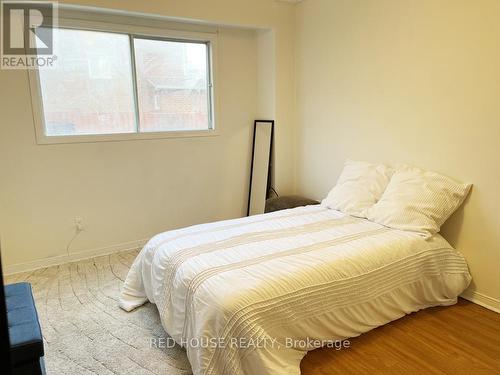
[[304, 273]]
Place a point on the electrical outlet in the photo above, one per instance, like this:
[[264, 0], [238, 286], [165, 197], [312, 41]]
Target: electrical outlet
[[79, 224]]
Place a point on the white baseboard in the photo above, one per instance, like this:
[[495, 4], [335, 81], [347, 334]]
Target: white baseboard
[[489, 302], [71, 257]]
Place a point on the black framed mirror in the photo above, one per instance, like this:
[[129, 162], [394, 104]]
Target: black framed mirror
[[260, 173]]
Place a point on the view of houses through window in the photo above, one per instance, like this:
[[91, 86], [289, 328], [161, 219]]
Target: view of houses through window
[[108, 83], [172, 85]]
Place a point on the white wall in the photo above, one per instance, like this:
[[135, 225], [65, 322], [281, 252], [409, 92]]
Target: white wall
[[415, 81], [128, 191]]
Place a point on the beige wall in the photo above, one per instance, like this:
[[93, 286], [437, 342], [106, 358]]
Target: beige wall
[[128, 191], [415, 81], [263, 14]]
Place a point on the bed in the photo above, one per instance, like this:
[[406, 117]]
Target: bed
[[253, 295]]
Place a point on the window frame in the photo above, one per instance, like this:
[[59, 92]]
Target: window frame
[[132, 31]]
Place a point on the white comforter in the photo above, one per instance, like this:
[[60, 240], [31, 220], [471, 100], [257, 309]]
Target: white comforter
[[244, 296]]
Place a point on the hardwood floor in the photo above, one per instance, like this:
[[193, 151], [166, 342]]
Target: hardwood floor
[[460, 339]]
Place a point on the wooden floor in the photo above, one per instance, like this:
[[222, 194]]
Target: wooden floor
[[460, 339]]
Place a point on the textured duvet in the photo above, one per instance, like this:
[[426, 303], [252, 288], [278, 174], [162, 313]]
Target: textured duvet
[[253, 295]]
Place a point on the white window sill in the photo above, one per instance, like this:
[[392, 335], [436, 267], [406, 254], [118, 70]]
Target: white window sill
[[92, 138]]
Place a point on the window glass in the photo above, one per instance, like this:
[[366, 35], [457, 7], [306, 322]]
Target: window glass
[[172, 85], [90, 88]]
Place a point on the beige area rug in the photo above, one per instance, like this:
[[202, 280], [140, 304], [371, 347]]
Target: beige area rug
[[84, 330]]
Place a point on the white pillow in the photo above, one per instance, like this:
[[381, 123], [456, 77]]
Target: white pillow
[[418, 201], [359, 187]]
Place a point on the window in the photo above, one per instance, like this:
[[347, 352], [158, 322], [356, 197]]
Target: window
[[109, 85], [172, 85], [91, 90]]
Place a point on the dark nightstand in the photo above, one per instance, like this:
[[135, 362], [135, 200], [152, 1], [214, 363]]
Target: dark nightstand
[[290, 201]]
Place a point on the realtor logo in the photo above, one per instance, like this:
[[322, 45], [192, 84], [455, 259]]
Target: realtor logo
[[27, 33]]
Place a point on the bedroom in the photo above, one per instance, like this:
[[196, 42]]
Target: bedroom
[[388, 82]]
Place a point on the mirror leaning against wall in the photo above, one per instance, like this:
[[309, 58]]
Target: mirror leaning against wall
[[260, 176]]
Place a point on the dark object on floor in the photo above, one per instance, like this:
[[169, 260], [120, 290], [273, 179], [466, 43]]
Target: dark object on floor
[[4, 331], [291, 201], [26, 343]]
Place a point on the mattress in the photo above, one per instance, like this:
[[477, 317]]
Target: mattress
[[253, 295]]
